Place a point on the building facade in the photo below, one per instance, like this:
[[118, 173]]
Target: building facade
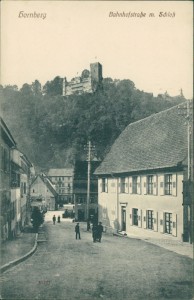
[[7, 209], [81, 188], [88, 82], [62, 179], [15, 179], [142, 180], [43, 192]]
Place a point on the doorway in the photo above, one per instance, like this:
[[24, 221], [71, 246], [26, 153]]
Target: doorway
[[123, 218]]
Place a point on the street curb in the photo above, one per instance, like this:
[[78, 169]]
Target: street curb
[[19, 260]]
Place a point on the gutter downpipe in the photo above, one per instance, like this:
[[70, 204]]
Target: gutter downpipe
[[117, 179]]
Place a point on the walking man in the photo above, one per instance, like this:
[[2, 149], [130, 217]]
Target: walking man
[[54, 220], [99, 230], [77, 231], [88, 225], [94, 232]]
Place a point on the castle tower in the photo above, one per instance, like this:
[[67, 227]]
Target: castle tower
[[96, 75]]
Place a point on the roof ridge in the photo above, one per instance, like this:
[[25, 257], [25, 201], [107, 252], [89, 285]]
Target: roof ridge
[[155, 114]]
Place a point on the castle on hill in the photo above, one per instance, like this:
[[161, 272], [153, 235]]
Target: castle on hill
[[88, 82]]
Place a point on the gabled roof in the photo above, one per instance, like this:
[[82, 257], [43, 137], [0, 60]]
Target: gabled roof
[[6, 134], [61, 172], [158, 141], [47, 182]]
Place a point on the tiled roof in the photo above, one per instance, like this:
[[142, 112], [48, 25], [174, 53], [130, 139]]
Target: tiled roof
[[158, 141], [61, 172]]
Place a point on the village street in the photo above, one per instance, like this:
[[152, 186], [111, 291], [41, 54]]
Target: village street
[[118, 268]]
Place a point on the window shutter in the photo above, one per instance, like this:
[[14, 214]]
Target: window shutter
[[130, 185], [174, 185], [174, 224], [161, 219], [161, 184], [130, 216], [100, 184], [139, 218], [106, 185], [127, 185], [155, 225], [119, 185], [144, 184], [144, 219], [139, 185], [155, 184]]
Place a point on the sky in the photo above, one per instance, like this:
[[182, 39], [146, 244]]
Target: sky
[[156, 53]]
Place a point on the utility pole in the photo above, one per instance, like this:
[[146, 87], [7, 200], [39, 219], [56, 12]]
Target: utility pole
[[89, 149]]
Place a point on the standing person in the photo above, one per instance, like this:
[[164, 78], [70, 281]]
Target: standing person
[[94, 232], [54, 220], [59, 219], [77, 231], [100, 231], [88, 225]]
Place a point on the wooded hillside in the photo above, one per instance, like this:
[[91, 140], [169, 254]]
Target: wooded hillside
[[52, 130]]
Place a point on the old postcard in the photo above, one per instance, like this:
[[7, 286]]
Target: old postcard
[[96, 150]]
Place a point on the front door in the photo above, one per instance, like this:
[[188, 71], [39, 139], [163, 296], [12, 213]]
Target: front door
[[123, 218]]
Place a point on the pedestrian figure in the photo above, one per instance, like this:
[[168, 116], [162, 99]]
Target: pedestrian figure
[[54, 220], [59, 219], [77, 231], [94, 232], [88, 225], [99, 231]]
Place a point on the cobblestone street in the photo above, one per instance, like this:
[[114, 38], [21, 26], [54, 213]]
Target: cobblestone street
[[117, 268]]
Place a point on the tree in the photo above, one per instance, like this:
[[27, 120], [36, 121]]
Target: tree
[[37, 218], [54, 87], [36, 88]]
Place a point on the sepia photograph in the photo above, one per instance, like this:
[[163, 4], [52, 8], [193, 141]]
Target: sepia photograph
[[96, 150]]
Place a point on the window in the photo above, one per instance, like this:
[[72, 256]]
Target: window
[[150, 184], [150, 219], [135, 216], [122, 185], [168, 223], [168, 184], [15, 179], [25, 188], [104, 185], [21, 189], [134, 185]]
